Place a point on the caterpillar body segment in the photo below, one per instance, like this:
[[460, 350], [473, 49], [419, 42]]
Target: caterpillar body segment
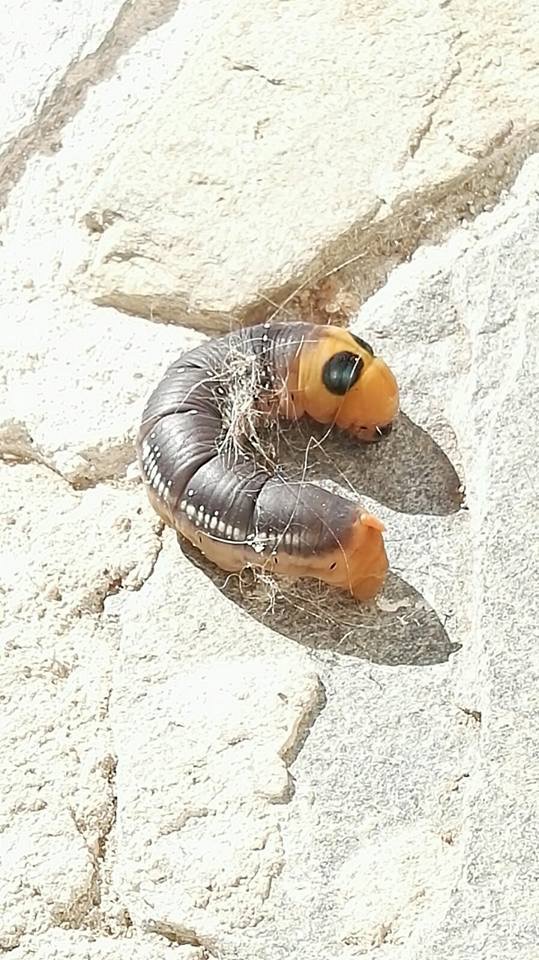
[[203, 480]]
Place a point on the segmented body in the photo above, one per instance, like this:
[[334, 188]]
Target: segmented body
[[204, 481]]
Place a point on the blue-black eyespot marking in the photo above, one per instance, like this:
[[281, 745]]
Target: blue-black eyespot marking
[[341, 372]]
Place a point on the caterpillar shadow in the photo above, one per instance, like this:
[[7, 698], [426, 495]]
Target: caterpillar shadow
[[400, 629], [408, 471]]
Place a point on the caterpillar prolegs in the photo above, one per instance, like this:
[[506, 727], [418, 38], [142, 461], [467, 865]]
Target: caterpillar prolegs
[[204, 480]]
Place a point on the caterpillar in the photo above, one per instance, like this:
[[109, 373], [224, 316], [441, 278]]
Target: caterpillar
[[197, 460]]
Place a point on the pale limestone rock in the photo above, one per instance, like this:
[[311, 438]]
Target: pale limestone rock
[[80, 945], [350, 70], [391, 886], [62, 553], [316, 739], [45, 172], [38, 47], [74, 383], [238, 858], [197, 847], [101, 539], [346, 110]]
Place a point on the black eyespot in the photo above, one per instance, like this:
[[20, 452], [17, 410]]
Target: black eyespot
[[341, 372], [363, 343]]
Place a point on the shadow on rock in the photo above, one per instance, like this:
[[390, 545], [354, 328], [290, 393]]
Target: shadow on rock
[[408, 472], [400, 629]]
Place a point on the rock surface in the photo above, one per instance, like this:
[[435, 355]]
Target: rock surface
[[197, 767], [85, 431], [189, 225], [61, 944], [38, 50]]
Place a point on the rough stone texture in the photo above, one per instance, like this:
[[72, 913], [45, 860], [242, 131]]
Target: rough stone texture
[[85, 430], [62, 553], [210, 706], [391, 886], [200, 767], [64, 945], [261, 850], [496, 281], [392, 800], [38, 47], [189, 226]]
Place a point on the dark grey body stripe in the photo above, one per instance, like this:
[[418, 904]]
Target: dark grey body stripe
[[183, 460]]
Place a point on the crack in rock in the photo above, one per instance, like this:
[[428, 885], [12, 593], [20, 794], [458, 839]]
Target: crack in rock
[[134, 19], [118, 582], [303, 725], [83, 469], [381, 244], [364, 256], [93, 908], [177, 933], [425, 128]]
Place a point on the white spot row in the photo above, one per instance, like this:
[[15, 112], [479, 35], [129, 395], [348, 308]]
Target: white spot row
[[150, 468], [210, 521], [214, 524]]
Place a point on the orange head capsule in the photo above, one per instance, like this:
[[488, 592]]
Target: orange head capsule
[[342, 382]]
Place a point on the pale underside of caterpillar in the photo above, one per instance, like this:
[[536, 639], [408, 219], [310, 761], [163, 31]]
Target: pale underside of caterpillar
[[204, 480]]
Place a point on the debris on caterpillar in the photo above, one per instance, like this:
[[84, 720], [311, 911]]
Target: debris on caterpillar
[[208, 477]]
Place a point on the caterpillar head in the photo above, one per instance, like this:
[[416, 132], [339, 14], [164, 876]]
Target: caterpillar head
[[344, 383]]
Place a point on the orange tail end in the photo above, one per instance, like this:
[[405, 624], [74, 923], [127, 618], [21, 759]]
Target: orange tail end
[[367, 562]]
